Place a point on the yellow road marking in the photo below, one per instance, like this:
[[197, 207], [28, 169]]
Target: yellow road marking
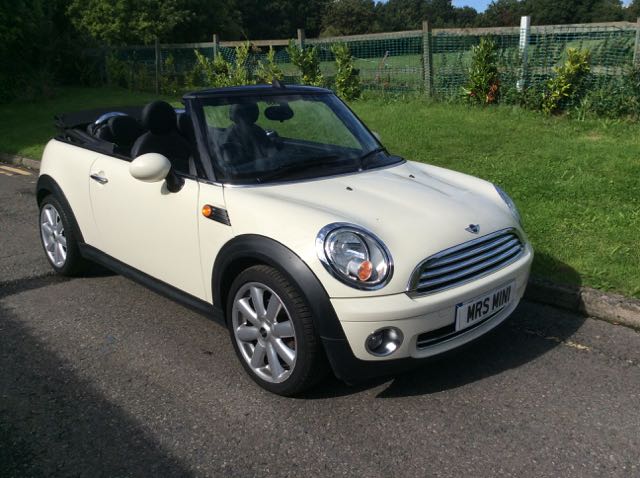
[[15, 170], [5, 173]]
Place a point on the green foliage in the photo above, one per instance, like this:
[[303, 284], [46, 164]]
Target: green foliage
[[117, 22], [219, 72], [170, 80], [483, 86], [619, 99], [118, 71], [347, 80], [38, 49], [348, 17], [568, 84], [307, 61], [268, 70]]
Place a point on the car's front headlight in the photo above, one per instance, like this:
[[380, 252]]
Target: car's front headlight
[[510, 204], [354, 256]]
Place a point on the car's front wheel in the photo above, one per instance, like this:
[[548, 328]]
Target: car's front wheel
[[272, 332]]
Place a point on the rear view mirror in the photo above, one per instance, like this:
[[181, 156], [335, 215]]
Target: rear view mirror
[[150, 167], [282, 112]]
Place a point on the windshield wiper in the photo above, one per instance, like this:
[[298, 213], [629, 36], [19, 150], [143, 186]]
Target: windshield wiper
[[363, 159], [301, 166]]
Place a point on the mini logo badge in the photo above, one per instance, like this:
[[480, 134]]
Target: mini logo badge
[[473, 228]]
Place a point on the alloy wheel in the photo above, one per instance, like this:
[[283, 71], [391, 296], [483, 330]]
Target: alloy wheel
[[264, 332], [53, 236]]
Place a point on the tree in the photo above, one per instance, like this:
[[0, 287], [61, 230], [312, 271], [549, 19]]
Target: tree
[[348, 17], [408, 14], [632, 12], [38, 48], [117, 22], [502, 13], [279, 18]]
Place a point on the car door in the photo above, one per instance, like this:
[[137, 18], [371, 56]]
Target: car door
[[146, 226]]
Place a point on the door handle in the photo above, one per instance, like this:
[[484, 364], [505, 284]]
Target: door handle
[[100, 179]]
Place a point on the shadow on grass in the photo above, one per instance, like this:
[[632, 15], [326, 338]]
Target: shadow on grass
[[531, 331], [54, 423]]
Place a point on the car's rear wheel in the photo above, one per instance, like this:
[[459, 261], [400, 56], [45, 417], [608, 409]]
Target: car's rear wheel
[[272, 332], [59, 239]]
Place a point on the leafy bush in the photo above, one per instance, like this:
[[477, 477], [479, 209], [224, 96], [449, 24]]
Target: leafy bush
[[170, 81], [568, 85], [268, 70], [118, 71], [307, 61], [483, 86], [219, 72], [529, 98], [347, 78]]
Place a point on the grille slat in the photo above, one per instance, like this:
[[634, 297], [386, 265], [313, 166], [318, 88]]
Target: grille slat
[[436, 271], [468, 252], [467, 262]]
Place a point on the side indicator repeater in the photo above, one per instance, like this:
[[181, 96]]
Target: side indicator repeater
[[217, 214], [207, 211]]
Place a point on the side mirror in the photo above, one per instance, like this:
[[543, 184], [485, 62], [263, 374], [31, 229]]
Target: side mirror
[[377, 135], [150, 167]]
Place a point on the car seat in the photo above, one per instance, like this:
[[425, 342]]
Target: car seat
[[162, 137]]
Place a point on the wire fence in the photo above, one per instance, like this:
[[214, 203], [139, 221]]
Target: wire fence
[[434, 62]]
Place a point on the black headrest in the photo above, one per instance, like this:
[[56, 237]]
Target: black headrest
[[159, 117], [244, 113], [185, 127], [125, 129]]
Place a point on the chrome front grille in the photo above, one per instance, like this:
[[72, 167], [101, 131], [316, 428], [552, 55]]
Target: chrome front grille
[[466, 262]]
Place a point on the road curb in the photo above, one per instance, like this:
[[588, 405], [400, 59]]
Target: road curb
[[20, 161], [613, 308]]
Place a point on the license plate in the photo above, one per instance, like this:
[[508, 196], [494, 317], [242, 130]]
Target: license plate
[[476, 310]]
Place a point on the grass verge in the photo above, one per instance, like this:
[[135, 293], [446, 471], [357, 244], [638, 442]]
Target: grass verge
[[577, 183]]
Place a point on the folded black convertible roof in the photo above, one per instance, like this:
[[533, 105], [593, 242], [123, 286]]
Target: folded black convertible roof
[[78, 118]]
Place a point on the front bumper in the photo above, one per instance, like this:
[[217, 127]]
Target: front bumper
[[415, 316]]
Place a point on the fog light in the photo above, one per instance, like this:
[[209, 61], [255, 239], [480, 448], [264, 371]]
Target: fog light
[[384, 342]]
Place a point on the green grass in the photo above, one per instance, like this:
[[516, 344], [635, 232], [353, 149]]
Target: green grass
[[577, 183]]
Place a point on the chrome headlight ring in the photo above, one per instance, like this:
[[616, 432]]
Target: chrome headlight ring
[[354, 256]]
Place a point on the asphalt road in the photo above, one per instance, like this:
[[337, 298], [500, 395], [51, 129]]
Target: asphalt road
[[101, 377]]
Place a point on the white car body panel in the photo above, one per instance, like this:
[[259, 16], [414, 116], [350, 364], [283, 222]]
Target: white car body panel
[[70, 165], [147, 227]]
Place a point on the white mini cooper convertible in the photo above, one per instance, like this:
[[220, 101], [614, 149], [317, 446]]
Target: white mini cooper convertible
[[277, 212]]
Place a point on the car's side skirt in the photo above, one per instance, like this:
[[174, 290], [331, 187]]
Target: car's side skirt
[[162, 288]]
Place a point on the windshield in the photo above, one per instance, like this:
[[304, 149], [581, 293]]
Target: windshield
[[260, 139]]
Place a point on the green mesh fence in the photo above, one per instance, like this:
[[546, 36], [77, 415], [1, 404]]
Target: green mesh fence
[[390, 61], [395, 61]]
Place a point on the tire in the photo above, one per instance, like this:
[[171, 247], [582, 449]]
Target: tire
[[59, 238], [275, 342]]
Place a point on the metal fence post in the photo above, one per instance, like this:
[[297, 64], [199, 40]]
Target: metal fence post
[[636, 49], [523, 46], [301, 38], [157, 66], [427, 58], [216, 45]]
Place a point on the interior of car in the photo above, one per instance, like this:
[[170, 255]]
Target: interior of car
[[160, 129]]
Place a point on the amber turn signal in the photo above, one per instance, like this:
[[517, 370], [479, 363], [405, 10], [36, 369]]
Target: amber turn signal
[[207, 211], [365, 270]]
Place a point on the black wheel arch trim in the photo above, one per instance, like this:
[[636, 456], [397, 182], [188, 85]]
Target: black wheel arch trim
[[48, 184], [261, 249]]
